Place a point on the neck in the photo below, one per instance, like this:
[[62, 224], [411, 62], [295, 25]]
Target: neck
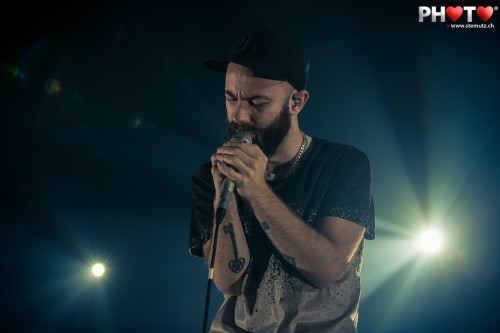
[[287, 150]]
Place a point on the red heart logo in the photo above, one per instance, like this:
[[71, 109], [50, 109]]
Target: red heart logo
[[454, 13], [484, 13]]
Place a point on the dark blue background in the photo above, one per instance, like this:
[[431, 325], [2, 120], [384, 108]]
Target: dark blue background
[[101, 170]]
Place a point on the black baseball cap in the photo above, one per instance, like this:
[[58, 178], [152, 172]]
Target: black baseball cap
[[270, 54]]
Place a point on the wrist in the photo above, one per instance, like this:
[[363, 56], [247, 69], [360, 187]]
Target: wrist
[[262, 196]]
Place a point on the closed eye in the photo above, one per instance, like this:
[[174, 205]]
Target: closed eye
[[253, 103]]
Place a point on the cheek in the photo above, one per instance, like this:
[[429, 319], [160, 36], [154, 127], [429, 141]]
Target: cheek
[[269, 114], [230, 110]]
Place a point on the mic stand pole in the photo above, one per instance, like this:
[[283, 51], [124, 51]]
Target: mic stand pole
[[219, 216]]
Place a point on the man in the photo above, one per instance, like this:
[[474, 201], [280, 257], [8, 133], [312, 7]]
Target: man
[[290, 246]]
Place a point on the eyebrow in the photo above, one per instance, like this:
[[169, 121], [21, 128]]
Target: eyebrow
[[230, 94]]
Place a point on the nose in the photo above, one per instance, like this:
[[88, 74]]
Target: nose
[[241, 114]]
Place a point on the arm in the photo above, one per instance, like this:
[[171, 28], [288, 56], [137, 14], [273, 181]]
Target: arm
[[232, 254], [320, 254]]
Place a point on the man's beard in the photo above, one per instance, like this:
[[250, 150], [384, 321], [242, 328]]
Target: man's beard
[[268, 138]]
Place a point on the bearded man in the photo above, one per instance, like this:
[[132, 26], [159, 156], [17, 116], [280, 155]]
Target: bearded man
[[289, 254]]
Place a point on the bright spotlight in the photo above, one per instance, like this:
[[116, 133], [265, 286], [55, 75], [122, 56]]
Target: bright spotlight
[[430, 241], [98, 270]]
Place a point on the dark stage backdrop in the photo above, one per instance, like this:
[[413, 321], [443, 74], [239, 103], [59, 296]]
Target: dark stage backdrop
[[106, 111]]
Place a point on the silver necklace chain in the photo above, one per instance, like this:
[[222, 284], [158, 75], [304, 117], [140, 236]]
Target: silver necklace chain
[[295, 163]]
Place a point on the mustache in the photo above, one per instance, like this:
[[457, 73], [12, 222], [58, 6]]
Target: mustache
[[233, 127]]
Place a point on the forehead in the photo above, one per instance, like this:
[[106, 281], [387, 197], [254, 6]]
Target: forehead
[[241, 78]]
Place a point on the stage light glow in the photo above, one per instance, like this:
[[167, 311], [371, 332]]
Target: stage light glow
[[52, 86], [14, 71], [98, 269], [430, 241]]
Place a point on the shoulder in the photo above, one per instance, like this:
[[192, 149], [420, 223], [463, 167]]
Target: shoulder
[[203, 175], [338, 152], [203, 170]]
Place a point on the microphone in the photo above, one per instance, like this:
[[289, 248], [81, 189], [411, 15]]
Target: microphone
[[227, 188]]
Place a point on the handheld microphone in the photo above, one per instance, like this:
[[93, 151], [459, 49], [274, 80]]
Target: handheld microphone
[[227, 188]]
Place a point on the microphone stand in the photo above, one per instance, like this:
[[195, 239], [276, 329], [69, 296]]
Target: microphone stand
[[219, 216]]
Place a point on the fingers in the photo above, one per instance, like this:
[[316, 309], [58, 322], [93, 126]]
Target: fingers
[[235, 158], [243, 163], [245, 158], [219, 163], [249, 154], [229, 171], [251, 150], [216, 173]]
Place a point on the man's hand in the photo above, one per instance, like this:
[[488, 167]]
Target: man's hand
[[217, 175], [243, 163]]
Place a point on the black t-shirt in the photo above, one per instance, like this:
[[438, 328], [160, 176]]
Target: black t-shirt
[[331, 179]]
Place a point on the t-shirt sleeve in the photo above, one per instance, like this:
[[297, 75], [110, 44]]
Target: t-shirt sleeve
[[202, 210], [349, 193]]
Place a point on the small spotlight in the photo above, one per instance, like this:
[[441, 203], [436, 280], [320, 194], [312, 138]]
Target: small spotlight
[[430, 241], [98, 270], [52, 86]]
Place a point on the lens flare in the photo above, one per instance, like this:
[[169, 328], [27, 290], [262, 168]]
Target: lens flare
[[98, 270], [430, 241], [52, 86]]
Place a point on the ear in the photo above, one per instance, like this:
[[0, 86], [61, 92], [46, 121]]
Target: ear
[[297, 101]]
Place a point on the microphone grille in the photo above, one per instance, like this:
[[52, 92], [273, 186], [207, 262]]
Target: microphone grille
[[242, 137]]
